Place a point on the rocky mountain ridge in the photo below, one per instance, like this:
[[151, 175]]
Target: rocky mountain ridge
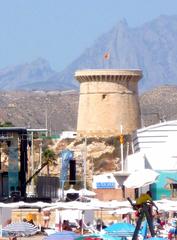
[[151, 47]]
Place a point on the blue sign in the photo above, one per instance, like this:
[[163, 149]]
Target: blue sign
[[106, 185]]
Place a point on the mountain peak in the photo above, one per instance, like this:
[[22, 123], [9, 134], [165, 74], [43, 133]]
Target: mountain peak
[[39, 65], [121, 26], [40, 62], [122, 23]]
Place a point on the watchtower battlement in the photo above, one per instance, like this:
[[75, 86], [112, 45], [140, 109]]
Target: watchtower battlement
[[108, 99]]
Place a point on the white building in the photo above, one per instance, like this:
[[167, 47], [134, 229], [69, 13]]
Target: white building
[[68, 134], [161, 135], [155, 147]]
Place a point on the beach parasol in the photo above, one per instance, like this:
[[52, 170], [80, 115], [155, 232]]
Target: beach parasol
[[86, 193], [120, 229], [71, 190], [141, 178], [95, 236], [166, 205], [21, 229], [124, 210], [68, 235], [155, 238], [22, 204]]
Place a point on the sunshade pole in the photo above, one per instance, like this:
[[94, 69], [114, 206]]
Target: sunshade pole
[[1, 224], [82, 227]]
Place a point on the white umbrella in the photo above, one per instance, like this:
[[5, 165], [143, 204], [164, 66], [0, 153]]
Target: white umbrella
[[86, 193], [3, 205], [22, 204], [71, 190], [109, 205], [124, 210], [141, 178], [16, 204], [166, 205], [56, 205], [21, 228], [39, 204], [74, 205], [82, 206]]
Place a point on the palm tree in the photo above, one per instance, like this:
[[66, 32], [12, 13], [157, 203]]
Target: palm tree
[[49, 157]]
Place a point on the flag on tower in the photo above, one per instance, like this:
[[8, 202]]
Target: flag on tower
[[106, 56]]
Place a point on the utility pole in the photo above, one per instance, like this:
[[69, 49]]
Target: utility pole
[[40, 155], [47, 103], [46, 121], [32, 162]]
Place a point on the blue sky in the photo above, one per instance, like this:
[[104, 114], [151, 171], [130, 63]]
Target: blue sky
[[60, 30]]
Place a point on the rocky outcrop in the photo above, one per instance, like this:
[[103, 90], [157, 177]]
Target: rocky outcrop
[[99, 154]]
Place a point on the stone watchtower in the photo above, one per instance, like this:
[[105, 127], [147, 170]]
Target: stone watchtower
[[108, 100]]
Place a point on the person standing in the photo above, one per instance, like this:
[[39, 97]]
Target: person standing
[[46, 218], [143, 207]]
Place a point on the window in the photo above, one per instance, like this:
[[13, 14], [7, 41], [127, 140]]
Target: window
[[104, 96]]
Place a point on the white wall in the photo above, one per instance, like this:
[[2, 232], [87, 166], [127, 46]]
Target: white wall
[[158, 143], [155, 136]]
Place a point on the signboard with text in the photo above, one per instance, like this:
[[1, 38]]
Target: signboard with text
[[106, 185]]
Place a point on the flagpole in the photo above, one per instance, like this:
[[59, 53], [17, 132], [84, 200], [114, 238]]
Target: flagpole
[[121, 148], [106, 58]]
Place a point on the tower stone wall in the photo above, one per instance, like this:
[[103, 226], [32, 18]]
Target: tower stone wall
[[108, 99]]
